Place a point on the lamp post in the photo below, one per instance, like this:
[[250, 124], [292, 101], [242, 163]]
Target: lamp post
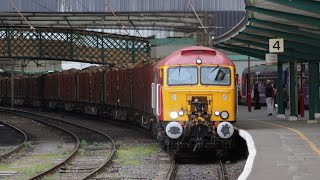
[[248, 84], [12, 83]]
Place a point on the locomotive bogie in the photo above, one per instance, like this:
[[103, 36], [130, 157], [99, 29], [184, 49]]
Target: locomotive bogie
[[120, 114]]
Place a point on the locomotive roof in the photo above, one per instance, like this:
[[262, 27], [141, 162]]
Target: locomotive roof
[[189, 55]]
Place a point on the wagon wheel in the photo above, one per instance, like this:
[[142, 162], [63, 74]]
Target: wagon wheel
[[155, 128]]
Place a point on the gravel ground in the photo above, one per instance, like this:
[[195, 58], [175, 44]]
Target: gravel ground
[[45, 148], [199, 171], [209, 171], [5, 149], [234, 169], [9, 138]]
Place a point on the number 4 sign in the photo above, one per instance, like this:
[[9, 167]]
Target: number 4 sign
[[276, 45]]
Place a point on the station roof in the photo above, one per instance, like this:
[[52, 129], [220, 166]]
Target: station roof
[[297, 22], [166, 15]]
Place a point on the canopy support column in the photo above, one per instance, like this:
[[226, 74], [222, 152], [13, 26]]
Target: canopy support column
[[313, 89]]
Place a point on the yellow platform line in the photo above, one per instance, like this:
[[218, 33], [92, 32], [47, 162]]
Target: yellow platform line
[[310, 143]]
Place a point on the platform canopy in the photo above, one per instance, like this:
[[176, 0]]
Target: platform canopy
[[296, 21]]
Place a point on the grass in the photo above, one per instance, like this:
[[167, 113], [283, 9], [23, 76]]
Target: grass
[[60, 145], [81, 152], [54, 177], [28, 144], [83, 143], [130, 156], [98, 144], [35, 169], [36, 164]]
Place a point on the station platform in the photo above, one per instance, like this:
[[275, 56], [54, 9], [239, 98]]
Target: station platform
[[285, 150]]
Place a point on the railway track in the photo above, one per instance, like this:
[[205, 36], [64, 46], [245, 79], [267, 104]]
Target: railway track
[[213, 170], [5, 130], [89, 155], [171, 175]]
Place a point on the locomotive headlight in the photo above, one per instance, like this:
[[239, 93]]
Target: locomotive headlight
[[198, 61], [174, 115], [181, 112], [224, 115], [217, 113]]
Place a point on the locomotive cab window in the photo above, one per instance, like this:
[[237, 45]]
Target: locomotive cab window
[[183, 75], [215, 75]]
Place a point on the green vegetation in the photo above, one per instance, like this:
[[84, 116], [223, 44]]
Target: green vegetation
[[81, 152], [31, 166], [98, 144], [131, 156], [35, 169], [83, 143], [54, 177], [28, 144], [60, 145]]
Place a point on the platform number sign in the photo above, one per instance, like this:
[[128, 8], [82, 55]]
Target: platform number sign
[[276, 45]]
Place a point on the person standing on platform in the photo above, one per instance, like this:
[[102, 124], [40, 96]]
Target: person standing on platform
[[256, 96], [269, 97], [285, 97]]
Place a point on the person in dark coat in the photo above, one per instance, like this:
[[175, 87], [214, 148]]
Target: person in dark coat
[[269, 97], [285, 97], [256, 96]]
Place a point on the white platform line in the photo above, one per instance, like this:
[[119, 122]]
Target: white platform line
[[252, 154]]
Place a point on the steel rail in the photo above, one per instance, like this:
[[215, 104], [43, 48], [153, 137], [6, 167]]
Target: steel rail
[[18, 148], [221, 171], [108, 159], [173, 168]]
